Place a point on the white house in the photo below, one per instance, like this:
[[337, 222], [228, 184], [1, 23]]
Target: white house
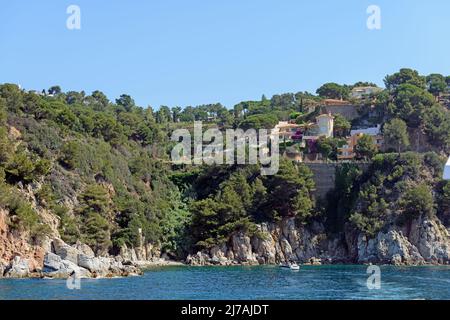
[[326, 125], [361, 92], [373, 131]]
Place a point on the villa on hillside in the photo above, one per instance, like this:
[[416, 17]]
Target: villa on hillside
[[322, 128], [307, 136], [287, 131], [304, 134], [362, 92], [347, 151]]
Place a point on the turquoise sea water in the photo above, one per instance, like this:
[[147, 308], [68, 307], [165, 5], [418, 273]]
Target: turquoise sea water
[[261, 282]]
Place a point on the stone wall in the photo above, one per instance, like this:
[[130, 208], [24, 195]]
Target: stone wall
[[325, 176], [349, 112]]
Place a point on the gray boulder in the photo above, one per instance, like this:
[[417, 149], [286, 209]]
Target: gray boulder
[[90, 263], [198, 259], [79, 259], [128, 254], [19, 268], [84, 249], [52, 262], [101, 266], [68, 268], [131, 271], [56, 267], [65, 251], [105, 265]]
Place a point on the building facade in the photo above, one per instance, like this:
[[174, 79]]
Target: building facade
[[362, 92], [348, 151]]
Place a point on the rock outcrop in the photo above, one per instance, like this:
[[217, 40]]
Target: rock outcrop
[[52, 257], [432, 240], [56, 267], [424, 241], [19, 268], [274, 243], [391, 247], [79, 259], [64, 260], [428, 242], [65, 251], [14, 245]]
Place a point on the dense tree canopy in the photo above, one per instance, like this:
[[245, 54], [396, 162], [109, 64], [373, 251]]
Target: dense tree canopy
[[366, 147], [243, 197], [412, 98], [405, 76], [395, 133], [333, 91], [436, 84]]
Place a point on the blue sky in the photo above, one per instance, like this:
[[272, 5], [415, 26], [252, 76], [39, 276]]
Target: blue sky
[[178, 52]]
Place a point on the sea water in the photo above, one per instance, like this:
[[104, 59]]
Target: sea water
[[240, 282]]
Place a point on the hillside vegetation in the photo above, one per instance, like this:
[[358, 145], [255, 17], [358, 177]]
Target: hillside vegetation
[[102, 168]]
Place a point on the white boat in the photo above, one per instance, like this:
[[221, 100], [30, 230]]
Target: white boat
[[290, 265], [294, 266]]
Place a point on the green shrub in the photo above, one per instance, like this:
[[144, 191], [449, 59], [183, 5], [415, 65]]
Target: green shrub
[[22, 215], [39, 231], [96, 233], [95, 199], [21, 167], [418, 201], [6, 147], [366, 225], [68, 226]]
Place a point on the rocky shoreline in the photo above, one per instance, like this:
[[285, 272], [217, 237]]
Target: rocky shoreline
[[424, 242], [63, 261], [51, 257]]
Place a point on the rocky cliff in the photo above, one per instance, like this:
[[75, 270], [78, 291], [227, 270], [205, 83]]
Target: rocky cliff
[[21, 257], [425, 241], [15, 244]]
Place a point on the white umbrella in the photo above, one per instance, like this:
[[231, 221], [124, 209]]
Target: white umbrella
[[447, 170]]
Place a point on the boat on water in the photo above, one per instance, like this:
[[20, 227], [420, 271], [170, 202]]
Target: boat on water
[[290, 265]]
